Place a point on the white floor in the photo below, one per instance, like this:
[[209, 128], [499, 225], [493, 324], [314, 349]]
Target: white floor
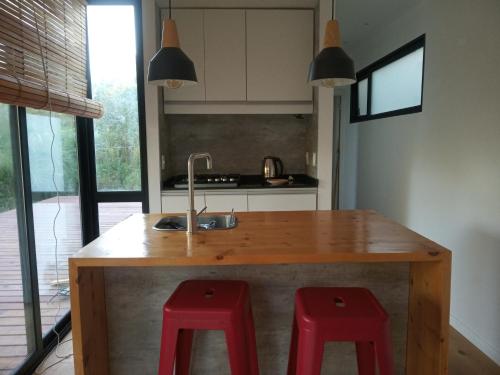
[[60, 361]]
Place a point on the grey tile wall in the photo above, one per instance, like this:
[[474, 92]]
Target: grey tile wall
[[238, 143]]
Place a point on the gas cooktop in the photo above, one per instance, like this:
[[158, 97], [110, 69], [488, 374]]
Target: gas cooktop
[[208, 180]]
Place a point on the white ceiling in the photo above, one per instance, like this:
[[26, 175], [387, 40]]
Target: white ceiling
[[357, 17]]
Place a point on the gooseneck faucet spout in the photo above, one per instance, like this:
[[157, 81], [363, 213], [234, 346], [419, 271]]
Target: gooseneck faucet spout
[[192, 220]]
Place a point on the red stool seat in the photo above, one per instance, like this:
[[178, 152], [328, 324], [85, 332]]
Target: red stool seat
[[339, 314], [208, 305]]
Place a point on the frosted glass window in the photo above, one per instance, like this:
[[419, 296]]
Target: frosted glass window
[[390, 86], [363, 97], [398, 85]]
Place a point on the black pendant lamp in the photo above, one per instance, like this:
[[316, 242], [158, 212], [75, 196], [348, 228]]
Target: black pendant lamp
[[332, 67], [170, 66]]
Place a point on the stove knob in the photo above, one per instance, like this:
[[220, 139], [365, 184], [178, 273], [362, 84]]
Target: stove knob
[[217, 180], [224, 179], [232, 179], [209, 179]]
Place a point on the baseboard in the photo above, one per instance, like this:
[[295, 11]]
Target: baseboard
[[476, 340]]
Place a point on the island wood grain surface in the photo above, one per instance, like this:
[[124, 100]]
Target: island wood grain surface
[[262, 238], [269, 238]]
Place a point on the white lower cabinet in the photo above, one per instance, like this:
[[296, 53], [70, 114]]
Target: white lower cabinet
[[281, 202], [299, 199], [226, 202], [171, 204]]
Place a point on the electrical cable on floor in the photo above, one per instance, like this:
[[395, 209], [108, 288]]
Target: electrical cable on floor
[[61, 359], [61, 291]]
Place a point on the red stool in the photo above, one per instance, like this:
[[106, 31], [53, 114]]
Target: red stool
[[208, 305], [339, 314]]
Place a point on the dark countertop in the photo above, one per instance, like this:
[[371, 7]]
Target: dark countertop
[[255, 182]]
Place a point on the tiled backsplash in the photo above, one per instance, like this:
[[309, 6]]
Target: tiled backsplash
[[237, 143]]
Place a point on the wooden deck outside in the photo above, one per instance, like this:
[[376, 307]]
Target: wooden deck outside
[[13, 349]]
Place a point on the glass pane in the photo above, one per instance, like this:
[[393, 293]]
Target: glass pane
[[14, 329], [111, 214], [363, 97], [56, 206], [112, 54], [399, 84]]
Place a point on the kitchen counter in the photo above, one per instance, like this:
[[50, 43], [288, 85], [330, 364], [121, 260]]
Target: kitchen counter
[[254, 182], [274, 239]]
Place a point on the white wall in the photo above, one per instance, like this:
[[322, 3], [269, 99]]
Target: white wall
[[438, 171], [348, 152]]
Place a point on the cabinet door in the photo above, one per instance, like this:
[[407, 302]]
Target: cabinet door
[[281, 202], [190, 29], [178, 204], [225, 55], [279, 50], [226, 202]]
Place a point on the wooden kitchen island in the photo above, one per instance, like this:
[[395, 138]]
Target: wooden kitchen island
[[120, 281]]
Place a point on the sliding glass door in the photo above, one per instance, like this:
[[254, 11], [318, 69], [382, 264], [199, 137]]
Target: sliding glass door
[[64, 179], [115, 69], [17, 339], [55, 187]]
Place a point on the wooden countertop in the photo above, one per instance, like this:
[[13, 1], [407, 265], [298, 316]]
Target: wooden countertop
[[262, 238]]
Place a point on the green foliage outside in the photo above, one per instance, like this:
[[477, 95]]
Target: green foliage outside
[[65, 154], [7, 200], [117, 139], [116, 144]]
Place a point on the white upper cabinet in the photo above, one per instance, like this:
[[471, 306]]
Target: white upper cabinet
[[247, 61], [279, 50], [190, 30], [225, 55]]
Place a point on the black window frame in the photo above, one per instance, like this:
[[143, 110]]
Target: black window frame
[[366, 73], [94, 195]]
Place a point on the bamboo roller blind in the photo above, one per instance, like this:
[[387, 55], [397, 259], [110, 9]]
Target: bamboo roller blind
[[62, 36]]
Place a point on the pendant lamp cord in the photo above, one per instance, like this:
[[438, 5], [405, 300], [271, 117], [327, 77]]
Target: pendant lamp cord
[[334, 5], [170, 9]]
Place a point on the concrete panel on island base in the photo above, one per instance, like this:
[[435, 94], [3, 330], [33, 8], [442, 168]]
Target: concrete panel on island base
[[135, 296]]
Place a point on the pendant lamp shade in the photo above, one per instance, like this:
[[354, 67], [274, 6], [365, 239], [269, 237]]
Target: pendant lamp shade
[[332, 66], [170, 66]]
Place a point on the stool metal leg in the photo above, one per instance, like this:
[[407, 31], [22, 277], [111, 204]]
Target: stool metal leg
[[366, 358], [310, 355], [383, 348], [168, 348], [183, 355], [237, 349]]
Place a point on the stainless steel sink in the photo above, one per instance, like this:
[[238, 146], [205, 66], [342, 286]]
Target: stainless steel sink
[[208, 222]]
